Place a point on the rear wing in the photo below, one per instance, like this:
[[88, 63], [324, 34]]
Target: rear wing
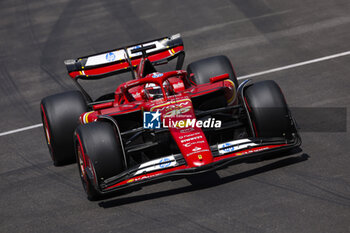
[[124, 59]]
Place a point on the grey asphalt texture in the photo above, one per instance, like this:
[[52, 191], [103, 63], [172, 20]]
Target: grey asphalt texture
[[308, 191]]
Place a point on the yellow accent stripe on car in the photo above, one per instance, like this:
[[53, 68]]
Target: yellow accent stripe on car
[[161, 105], [86, 120], [229, 101]]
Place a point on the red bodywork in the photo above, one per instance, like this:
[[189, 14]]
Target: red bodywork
[[131, 97], [191, 140]]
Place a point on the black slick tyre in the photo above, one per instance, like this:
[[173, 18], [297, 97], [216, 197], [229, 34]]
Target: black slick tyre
[[60, 116], [204, 69], [268, 110], [99, 155]]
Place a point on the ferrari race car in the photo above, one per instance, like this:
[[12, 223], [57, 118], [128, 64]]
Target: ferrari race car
[[162, 125]]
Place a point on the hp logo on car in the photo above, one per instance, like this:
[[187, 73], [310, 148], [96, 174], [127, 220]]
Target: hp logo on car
[[164, 163]]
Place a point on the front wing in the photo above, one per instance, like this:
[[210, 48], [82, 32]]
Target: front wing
[[174, 166]]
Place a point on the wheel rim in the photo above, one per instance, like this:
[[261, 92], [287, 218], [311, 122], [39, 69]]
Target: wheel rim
[[47, 133], [48, 140], [81, 167]]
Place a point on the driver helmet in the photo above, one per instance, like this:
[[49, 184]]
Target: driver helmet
[[153, 91]]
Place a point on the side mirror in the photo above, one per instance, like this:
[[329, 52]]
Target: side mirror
[[143, 95], [219, 78]]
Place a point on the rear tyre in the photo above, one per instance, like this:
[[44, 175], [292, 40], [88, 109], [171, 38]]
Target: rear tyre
[[60, 116], [206, 68], [99, 155], [268, 110]]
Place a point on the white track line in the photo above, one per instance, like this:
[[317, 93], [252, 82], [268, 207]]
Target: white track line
[[295, 65], [239, 78], [20, 129]]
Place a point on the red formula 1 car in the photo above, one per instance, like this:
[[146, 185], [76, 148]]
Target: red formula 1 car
[[162, 125]]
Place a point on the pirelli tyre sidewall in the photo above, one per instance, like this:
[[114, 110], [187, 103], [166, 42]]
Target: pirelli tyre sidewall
[[268, 110], [99, 155], [60, 116], [206, 68]]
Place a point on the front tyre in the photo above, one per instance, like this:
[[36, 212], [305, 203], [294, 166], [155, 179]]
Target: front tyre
[[268, 110], [99, 155]]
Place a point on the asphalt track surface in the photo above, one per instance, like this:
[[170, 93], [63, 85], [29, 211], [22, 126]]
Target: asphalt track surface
[[308, 191]]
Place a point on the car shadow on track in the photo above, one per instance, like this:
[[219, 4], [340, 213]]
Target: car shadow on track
[[211, 179]]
